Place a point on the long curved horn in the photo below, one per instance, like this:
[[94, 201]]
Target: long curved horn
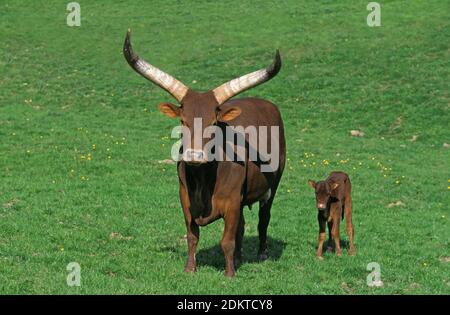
[[239, 85], [160, 78]]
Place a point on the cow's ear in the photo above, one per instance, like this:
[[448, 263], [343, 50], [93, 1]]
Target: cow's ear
[[229, 114], [312, 183], [169, 110], [334, 186]]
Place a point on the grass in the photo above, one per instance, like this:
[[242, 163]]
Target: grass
[[114, 208]]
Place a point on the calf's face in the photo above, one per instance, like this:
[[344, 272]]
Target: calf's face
[[323, 191]]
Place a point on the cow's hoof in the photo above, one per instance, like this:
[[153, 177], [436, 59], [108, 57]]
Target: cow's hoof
[[190, 269], [264, 255], [352, 252], [229, 273], [320, 258], [338, 254]]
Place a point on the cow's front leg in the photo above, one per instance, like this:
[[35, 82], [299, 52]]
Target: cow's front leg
[[193, 234], [231, 215], [192, 231]]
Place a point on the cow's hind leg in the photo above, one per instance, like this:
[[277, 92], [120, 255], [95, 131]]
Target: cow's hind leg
[[264, 218], [239, 239]]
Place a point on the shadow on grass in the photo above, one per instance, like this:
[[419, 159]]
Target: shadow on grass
[[345, 244], [213, 256]]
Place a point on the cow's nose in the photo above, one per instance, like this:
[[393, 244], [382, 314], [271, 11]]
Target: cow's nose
[[195, 156], [321, 206]]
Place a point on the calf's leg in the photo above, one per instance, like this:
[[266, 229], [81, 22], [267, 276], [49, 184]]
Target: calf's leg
[[322, 235], [349, 223], [336, 212], [330, 238]]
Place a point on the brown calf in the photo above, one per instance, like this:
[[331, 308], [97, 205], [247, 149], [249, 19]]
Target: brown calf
[[333, 200]]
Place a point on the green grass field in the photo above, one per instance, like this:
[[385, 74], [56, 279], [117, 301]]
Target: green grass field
[[82, 140]]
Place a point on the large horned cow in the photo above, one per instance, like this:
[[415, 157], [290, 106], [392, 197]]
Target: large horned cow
[[212, 189]]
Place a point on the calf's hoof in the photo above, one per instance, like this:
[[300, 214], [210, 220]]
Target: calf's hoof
[[319, 258], [338, 254], [352, 252], [190, 269]]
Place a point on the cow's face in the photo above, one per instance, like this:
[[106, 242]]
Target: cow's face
[[323, 191], [197, 112], [201, 107]]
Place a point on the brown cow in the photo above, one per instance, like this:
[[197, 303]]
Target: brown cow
[[220, 189], [333, 199]]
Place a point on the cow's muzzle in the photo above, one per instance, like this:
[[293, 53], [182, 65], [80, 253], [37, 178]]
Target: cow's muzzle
[[194, 156]]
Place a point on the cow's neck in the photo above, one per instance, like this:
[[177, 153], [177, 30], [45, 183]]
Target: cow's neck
[[200, 182]]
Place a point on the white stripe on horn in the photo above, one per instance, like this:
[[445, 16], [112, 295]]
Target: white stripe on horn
[[239, 85], [157, 76]]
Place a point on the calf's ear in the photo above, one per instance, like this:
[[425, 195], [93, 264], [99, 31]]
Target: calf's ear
[[169, 110], [312, 183], [229, 114], [334, 186]]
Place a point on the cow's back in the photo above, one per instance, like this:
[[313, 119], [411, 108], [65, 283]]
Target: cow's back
[[255, 112], [258, 112]]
